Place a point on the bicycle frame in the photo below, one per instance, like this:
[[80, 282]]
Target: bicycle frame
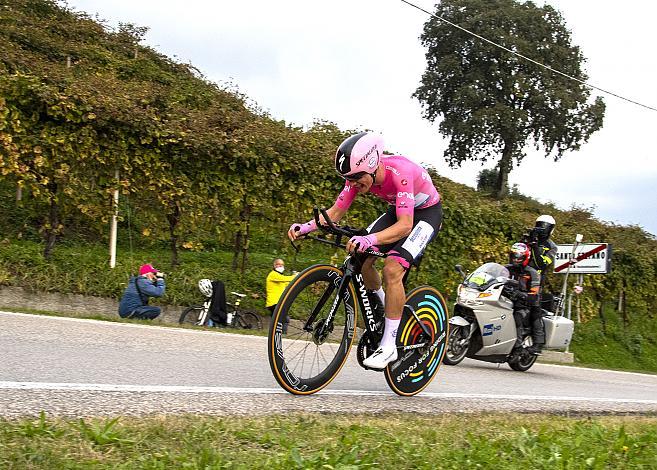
[[351, 269], [351, 273], [204, 313], [300, 362], [202, 319]]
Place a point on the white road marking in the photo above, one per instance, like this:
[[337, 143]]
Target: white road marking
[[58, 386]]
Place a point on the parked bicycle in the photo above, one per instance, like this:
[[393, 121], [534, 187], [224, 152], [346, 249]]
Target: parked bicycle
[[323, 303], [199, 315]]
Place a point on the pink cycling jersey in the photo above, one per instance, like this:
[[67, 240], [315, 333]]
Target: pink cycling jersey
[[406, 185]]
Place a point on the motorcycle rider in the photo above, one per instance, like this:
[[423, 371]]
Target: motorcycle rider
[[543, 253], [543, 249], [526, 297]]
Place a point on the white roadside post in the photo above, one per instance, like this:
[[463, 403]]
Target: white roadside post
[[114, 224], [578, 239]]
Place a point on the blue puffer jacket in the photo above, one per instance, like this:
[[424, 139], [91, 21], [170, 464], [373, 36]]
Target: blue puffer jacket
[[131, 299]]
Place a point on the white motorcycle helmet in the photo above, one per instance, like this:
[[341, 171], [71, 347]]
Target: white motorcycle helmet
[[205, 286], [544, 227]]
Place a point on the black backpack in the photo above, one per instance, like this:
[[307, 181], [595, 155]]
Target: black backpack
[[218, 303]]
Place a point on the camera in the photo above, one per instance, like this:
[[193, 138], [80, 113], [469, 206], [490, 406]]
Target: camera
[[159, 275], [530, 237]]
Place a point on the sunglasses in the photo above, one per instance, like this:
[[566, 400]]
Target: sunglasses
[[355, 176]]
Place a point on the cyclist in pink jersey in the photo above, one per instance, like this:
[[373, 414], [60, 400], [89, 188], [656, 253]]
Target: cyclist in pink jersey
[[413, 219]]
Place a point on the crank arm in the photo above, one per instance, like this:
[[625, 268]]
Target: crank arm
[[424, 328], [414, 346]]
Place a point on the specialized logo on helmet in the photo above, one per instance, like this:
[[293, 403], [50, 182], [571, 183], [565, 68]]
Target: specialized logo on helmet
[[341, 162], [372, 161]]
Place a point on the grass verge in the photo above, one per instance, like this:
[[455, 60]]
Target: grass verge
[[320, 441]]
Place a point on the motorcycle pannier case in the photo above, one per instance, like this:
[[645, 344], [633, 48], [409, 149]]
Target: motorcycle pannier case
[[558, 332]]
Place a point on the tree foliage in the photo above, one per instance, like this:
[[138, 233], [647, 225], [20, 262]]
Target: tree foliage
[[492, 102]]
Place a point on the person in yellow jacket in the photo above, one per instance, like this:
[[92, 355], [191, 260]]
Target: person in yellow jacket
[[276, 283]]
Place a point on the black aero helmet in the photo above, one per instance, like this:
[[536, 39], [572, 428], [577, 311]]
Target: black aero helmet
[[359, 154]]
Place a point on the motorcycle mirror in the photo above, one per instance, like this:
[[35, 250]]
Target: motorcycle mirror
[[501, 279], [459, 269]]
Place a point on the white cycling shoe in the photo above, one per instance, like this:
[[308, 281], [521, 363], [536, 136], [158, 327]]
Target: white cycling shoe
[[380, 358]]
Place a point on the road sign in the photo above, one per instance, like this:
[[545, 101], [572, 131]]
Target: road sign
[[589, 258]]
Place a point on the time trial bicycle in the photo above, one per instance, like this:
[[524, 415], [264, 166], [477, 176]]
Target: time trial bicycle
[[323, 302], [199, 315]]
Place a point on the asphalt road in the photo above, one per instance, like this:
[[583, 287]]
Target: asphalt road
[[73, 367]]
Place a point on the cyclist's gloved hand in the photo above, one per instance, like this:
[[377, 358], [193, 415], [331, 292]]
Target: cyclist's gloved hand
[[361, 244], [296, 230]]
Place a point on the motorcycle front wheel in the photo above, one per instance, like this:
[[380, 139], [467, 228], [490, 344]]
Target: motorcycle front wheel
[[457, 345]]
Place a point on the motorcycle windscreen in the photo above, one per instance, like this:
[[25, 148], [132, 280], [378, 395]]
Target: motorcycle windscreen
[[485, 275]]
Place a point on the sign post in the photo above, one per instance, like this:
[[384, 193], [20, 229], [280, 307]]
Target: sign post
[[580, 258], [578, 240]]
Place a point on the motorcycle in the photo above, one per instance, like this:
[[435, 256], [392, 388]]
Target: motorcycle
[[483, 326]]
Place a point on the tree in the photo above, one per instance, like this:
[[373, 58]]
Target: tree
[[492, 102], [486, 180]]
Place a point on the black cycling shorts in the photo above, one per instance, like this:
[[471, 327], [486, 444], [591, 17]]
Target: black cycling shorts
[[426, 225]]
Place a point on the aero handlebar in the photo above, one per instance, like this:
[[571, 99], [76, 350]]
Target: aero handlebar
[[331, 228]]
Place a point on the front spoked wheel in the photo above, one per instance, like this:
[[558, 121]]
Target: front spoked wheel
[[312, 351], [191, 315], [419, 354]]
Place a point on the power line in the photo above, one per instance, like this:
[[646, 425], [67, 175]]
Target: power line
[[527, 58]]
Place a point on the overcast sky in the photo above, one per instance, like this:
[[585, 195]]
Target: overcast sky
[[357, 63]]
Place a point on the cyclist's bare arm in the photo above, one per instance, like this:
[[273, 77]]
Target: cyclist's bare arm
[[335, 213], [396, 231]]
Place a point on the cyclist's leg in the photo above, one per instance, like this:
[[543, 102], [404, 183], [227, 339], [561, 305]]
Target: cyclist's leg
[[393, 276], [401, 256], [370, 274]]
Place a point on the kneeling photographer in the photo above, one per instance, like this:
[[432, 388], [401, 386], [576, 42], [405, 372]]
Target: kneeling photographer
[[134, 303]]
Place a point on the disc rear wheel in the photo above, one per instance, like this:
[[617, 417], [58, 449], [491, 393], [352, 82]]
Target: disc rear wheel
[[417, 365]]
